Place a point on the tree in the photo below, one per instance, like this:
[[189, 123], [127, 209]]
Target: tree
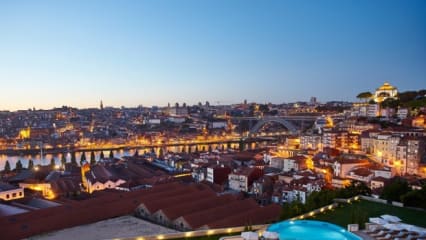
[[365, 96], [102, 155], [394, 190], [136, 153], [52, 163], [63, 159], [111, 154], [18, 165], [390, 103], [321, 198], [292, 209], [92, 158], [30, 164], [241, 145], [7, 166], [73, 159], [407, 96], [264, 108], [416, 198], [355, 188]]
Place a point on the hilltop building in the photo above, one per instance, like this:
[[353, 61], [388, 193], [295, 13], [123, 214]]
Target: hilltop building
[[384, 92]]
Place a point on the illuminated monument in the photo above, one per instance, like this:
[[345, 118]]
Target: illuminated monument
[[384, 92]]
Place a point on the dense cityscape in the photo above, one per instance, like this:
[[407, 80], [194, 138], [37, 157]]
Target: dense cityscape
[[241, 162], [213, 120]]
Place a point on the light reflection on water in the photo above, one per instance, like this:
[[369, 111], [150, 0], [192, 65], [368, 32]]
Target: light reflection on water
[[48, 157], [117, 153]]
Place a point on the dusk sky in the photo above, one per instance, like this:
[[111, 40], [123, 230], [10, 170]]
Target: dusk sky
[[130, 53]]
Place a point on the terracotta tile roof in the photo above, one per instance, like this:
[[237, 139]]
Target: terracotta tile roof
[[197, 205], [362, 172], [155, 204], [160, 191], [97, 207], [65, 185], [259, 215], [246, 171], [352, 161], [198, 219], [297, 158], [380, 179], [6, 187], [244, 156]]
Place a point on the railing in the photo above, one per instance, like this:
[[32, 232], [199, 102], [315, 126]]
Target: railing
[[198, 233]]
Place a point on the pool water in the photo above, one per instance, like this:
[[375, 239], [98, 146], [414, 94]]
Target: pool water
[[310, 230]]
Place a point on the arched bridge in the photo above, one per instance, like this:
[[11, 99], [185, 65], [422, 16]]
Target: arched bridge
[[290, 126]]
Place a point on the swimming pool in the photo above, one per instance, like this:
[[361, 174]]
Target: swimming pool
[[309, 229]]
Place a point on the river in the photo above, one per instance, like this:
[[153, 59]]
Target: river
[[13, 159]]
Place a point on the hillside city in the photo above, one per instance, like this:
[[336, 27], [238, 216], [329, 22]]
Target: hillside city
[[209, 166]]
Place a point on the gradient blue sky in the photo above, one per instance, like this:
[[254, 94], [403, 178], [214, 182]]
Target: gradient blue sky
[[55, 53]]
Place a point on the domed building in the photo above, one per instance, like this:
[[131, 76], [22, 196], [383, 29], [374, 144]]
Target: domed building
[[384, 92]]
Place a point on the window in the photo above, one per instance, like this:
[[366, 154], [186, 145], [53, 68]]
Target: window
[[14, 195], [20, 194], [7, 196]]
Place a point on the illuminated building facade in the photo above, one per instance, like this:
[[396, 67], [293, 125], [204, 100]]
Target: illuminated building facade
[[9, 192], [384, 92], [402, 153], [310, 142]]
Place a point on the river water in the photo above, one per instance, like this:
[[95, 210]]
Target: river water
[[48, 157], [13, 159]]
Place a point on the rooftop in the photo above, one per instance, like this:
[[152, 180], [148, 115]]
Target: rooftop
[[386, 87], [6, 187]]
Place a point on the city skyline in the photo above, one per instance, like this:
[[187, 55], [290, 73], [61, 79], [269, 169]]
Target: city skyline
[[153, 53]]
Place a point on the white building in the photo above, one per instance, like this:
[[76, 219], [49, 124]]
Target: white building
[[9, 192], [384, 92], [373, 110], [295, 163], [402, 113], [310, 142], [218, 124], [242, 179]]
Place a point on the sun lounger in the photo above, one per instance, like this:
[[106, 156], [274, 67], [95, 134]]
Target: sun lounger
[[386, 237], [381, 233], [401, 235]]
